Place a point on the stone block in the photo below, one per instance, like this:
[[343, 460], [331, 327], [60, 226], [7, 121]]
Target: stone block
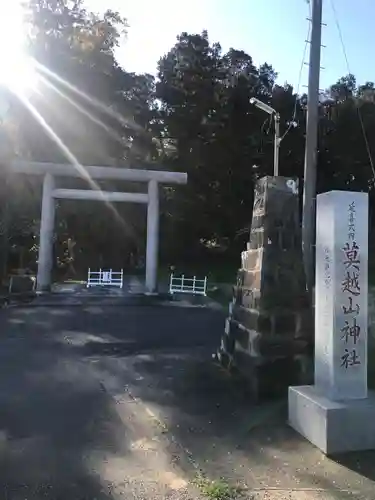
[[251, 259], [227, 344], [285, 323], [21, 284], [257, 222], [281, 346], [304, 322], [257, 238], [248, 298], [332, 426], [260, 197], [253, 319], [240, 336], [266, 378], [251, 279]]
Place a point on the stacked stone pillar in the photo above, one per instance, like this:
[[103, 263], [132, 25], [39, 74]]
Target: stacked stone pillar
[[269, 331]]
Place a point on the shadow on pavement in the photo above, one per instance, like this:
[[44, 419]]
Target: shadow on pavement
[[56, 423], [60, 435], [361, 462], [162, 356], [212, 418], [211, 414]]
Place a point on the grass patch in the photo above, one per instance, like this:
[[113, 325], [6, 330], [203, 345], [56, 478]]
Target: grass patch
[[73, 282], [218, 490]]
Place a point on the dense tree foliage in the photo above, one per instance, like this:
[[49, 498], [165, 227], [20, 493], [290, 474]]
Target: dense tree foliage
[[194, 116]]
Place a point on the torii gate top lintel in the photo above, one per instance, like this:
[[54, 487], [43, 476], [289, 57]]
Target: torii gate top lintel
[[97, 172]]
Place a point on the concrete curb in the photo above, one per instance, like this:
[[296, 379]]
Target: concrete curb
[[61, 299], [16, 299], [104, 303]]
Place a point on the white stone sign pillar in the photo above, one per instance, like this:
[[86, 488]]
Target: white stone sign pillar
[[341, 295], [337, 413]]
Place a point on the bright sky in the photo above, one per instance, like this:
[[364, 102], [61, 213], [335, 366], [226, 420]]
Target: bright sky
[[267, 29]]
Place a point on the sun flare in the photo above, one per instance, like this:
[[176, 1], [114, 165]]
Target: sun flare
[[16, 68]]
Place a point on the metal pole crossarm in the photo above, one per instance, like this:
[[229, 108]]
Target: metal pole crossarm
[[97, 172]]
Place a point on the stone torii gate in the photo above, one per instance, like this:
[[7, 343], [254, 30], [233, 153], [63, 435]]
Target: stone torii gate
[[92, 173]]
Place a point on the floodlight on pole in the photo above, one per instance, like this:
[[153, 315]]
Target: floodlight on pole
[[267, 109]]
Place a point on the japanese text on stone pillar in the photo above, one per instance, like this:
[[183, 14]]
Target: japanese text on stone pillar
[[351, 291]]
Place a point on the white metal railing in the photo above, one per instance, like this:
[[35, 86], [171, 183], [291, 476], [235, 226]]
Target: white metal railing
[[181, 284], [106, 277]]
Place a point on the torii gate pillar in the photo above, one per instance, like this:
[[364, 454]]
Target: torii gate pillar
[[152, 237], [47, 223]]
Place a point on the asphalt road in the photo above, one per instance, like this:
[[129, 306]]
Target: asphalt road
[[107, 403], [71, 425]]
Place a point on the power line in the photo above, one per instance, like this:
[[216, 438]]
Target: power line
[[356, 100], [307, 41]]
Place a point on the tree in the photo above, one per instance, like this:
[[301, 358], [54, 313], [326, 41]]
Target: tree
[[218, 136], [87, 109], [195, 117]]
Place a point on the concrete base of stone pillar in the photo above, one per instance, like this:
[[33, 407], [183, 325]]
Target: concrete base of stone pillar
[[332, 426]]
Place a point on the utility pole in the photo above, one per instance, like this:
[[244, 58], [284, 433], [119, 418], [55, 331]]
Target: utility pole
[[276, 146], [309, 191]]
